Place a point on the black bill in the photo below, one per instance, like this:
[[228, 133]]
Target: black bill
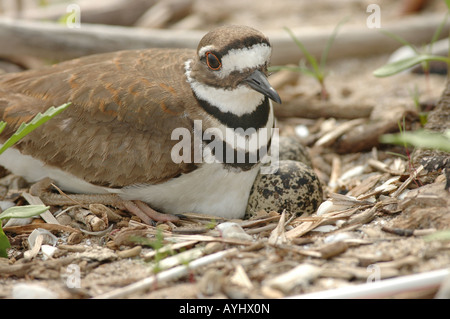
[[258, 82]]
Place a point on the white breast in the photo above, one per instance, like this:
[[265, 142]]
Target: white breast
[[210, 189], [34, 170]]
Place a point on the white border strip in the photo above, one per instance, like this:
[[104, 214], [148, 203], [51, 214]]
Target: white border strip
[[382, 289]]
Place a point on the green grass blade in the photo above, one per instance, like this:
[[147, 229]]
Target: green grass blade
[[420, 139], [309, 72], [438, 31], [442, 235], [330, 41], [2, 126], [399, 66], [4, 244], [37, 121], [17, 212], [23, 211], [400, 39], [311, 59]]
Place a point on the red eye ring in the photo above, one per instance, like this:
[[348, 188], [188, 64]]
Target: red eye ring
[[213, 61]]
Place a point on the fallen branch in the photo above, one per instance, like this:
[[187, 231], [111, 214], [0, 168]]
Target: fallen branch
[[56, 41], [317, 109], [115, 12], [364, 137]]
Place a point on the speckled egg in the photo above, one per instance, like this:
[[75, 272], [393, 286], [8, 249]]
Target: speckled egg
[[290, 148], [294, 187]]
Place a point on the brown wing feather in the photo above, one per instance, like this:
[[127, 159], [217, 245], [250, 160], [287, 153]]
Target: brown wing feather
[[117, 130]]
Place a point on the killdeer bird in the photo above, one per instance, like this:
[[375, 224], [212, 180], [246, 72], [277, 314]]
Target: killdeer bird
[[123, 132]]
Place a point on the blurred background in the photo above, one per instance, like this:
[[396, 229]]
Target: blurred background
[[181, 23], [205, 14]]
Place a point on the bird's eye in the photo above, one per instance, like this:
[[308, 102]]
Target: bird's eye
[[213, 61]]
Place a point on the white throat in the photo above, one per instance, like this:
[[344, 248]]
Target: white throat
[[239, 101]]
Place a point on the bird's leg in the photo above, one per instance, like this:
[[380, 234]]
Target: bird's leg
[[143, 211], [136, 207]]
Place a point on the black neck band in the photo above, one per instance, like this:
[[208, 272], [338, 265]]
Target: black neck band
[[256, 119]]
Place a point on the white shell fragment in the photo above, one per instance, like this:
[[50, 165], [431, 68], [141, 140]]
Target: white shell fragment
[[48, 251], [325, 207], [38, 238], [338, 237], [338, 202], [232, 230], [388, 186], [325, 228], [352, 172], [47, 237], [299, 276]]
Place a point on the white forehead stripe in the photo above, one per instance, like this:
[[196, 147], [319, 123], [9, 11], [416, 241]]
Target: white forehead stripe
[[241, 59], [246, 58], [205, 49]]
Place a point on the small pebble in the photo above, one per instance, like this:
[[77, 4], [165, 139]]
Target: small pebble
[[75, 238], [302, 131]]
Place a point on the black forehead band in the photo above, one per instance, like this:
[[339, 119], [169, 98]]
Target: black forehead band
[[242, 43]]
